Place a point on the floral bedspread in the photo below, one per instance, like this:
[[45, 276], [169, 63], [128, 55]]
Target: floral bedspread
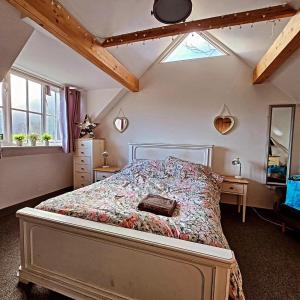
[[115, 200]]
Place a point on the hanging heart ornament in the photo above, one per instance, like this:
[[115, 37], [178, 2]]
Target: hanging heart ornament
[[224, 124], [121, 124]]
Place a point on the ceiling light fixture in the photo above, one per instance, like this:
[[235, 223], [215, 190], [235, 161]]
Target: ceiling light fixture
[[172, 11]]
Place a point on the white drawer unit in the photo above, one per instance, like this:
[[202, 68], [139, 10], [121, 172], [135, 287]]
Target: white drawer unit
[[87, 156]]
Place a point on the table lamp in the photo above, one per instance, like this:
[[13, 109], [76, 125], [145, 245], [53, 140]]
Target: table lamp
[[237, 162]]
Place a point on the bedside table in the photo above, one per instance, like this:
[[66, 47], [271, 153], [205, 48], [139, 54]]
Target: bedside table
[[103, 173], [239, 187]]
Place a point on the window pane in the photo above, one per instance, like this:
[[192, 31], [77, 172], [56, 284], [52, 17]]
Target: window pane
[[50, 104], [192, 47], [35, 96], [1, 94], [18, 92], [50, 126], [18, 122], [1, 121], [35, 123]]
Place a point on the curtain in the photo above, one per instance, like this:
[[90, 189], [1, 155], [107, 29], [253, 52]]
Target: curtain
[[69, 116]]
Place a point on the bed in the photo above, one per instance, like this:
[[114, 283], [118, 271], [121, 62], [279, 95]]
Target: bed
[[81, 244]]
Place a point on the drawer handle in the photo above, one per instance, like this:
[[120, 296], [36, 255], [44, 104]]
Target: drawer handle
[[82, 160], [82, 169], [82, 152], [82, 144], [232, 188], [82, 176]]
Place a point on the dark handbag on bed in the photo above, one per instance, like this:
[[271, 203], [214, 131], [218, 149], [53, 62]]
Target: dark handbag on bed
[[158, 205]]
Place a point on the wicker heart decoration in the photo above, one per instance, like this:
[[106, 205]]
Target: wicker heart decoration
[[224, 124]]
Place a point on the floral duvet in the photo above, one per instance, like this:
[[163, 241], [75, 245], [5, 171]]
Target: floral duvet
[[114, 201]]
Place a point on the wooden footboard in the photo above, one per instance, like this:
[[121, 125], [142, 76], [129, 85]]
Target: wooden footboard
[[89, 260]]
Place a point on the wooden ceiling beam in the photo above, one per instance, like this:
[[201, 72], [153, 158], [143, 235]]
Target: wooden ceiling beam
[[283, 47], [240, 18], [52, 16]]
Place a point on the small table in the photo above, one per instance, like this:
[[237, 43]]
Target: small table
[[239, 187], [103, 173]]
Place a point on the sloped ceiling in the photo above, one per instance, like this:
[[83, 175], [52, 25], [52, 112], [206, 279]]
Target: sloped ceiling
[[105, 18], [13, 35]]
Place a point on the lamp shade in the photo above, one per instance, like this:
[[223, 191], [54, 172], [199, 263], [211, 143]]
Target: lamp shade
[[172, 11]]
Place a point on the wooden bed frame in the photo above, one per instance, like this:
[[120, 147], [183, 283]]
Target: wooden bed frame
[[89, 260]]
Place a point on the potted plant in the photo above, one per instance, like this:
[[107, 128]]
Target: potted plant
[[19, 138], [46, 137], [33, 137]]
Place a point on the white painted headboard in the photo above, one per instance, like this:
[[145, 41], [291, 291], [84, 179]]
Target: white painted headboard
[[195, 153]]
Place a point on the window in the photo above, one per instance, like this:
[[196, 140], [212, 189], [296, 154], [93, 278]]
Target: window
[[194, 46], [29, 106]]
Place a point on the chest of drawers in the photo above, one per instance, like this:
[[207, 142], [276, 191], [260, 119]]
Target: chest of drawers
[[87, 156]]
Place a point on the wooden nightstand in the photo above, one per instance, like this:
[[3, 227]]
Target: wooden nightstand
[[103, 173], [239, 187]]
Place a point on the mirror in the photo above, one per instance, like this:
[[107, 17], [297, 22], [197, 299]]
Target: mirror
[[224, 124], [280, 141], [121, 124]]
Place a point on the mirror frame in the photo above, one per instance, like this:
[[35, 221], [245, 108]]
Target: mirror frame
[[292, 124], [114, 123]]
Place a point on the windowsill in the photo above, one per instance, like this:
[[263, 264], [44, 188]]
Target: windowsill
[[13, 150]]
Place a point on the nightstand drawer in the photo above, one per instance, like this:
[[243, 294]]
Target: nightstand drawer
[[82, 168], [102, 175], [232, 188], [83, 160]]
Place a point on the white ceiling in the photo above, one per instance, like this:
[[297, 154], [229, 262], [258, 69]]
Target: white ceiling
[[47, 56]]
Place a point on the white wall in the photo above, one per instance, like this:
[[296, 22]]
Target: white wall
[[99, 100], [177, 104], [26, 177]]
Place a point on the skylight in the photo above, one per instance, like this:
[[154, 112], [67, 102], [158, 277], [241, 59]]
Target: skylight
[[194, 46]]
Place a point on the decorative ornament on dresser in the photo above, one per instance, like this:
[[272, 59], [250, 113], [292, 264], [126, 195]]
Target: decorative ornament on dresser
[[121, 122], [87, 127], [224, 122]]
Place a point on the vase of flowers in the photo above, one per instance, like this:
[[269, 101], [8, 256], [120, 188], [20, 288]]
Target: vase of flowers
[[46, 137], [33, 137], [19, 138]]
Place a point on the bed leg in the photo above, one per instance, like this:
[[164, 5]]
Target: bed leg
[[283, 227], [239, 203], [22, 280]]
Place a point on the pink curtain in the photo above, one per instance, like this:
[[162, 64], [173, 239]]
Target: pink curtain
[[70, 115]]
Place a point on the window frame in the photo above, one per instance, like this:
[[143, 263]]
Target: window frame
[[206, 36], [8, 110]]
